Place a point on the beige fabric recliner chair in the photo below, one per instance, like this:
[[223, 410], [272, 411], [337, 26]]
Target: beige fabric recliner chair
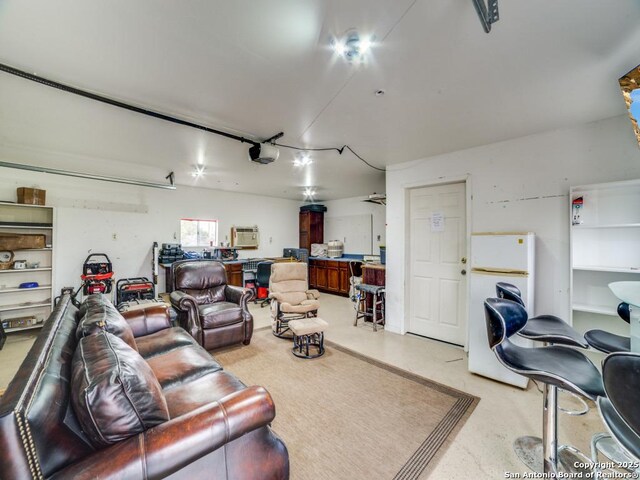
[[290, 296]]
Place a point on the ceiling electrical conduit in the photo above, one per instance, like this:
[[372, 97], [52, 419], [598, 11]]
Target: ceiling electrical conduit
[[68, 173]]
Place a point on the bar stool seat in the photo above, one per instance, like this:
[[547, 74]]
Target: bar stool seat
[[608, 342], [556, 365], [377, 292], [543, 328]]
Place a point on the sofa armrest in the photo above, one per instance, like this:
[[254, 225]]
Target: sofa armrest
[[172, 445], [148, 320], [187, 308], [238, 295], [313, 294]]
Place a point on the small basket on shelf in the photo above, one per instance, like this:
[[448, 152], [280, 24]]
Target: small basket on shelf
[[6, 260]]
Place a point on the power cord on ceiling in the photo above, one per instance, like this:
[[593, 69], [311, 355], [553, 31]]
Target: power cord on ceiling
[[329, 149]]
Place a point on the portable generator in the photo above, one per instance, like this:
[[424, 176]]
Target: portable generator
[[137, 288], [97, 276]]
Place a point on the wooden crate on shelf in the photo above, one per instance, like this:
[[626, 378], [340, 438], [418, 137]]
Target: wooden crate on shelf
[[18, 241]]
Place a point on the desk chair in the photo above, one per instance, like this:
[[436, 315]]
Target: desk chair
[[263, 274], [554, 366]]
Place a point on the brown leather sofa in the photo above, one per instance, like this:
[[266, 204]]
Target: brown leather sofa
[[216, 314], [99, 396]]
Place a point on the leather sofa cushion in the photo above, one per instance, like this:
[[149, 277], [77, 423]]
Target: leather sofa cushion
[[163, 341], [114, 393], [101, 315], [207, 389], [219, 314], [182, 365]]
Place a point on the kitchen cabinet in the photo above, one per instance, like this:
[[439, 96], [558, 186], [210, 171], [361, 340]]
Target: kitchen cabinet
[[234, 274], [332, 276], [311, 229]]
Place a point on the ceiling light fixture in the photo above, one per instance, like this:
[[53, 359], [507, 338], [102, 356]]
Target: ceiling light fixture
[[352, 47], [309, 193], [198, 172], [302, 159]]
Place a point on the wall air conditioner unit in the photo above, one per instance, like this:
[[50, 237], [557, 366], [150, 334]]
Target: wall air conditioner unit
[[245, 237], [379, 198]]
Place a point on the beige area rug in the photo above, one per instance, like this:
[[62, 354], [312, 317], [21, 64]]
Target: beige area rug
[[346, 416]]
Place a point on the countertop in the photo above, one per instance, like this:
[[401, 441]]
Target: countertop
[[344, 258]]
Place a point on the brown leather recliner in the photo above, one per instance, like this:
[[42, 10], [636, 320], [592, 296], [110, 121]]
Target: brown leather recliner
[[214, 313]]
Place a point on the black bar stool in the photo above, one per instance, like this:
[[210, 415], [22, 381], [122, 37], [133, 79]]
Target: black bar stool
[[542, 328], [608, 342], [619, 410], [555, 366], [548, 329]]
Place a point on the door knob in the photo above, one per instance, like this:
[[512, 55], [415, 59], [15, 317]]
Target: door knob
[[463, 272]]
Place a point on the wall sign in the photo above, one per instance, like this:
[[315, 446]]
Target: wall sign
[[437, 222]]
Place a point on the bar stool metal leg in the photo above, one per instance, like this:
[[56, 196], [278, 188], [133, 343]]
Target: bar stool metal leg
[[550, 429]]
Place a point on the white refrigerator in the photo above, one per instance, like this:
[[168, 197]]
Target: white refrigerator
[[498, 257]]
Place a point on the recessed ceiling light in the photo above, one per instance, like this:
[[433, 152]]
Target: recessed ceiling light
[[198, 171], [353, 47], [302, 159], [309, 193]]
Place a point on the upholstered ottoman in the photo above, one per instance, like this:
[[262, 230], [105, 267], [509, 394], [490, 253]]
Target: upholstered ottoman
[[308, 332]]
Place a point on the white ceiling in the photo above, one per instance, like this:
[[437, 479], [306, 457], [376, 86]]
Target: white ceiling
[[257, 67]]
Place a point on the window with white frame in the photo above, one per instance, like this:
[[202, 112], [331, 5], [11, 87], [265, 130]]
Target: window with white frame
[[195, 232]]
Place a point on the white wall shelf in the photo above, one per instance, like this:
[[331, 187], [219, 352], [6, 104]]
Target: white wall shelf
[[606, 269], [603, 249], [26, 270], [17, 289], [37, 302], [598, 309]]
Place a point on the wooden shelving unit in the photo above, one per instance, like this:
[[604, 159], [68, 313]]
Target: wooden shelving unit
[[16, 302], [603, 249]]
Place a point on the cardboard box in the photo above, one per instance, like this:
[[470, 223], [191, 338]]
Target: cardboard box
[[31, 196], [19, 241]]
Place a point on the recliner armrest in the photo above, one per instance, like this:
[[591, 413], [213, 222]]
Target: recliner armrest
[[313, 294], [183, 301], [148, 320], [172, 445], [238, 295]]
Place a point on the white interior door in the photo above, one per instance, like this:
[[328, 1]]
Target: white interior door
[[437, 268]]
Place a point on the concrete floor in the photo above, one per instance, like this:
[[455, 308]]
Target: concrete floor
[[482, 448]]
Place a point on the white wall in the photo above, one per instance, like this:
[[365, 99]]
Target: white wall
[[517, 185], [90, 213], [355, 206]]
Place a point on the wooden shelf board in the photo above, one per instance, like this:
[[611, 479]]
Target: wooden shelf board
[[17, 289], [598, 309]]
